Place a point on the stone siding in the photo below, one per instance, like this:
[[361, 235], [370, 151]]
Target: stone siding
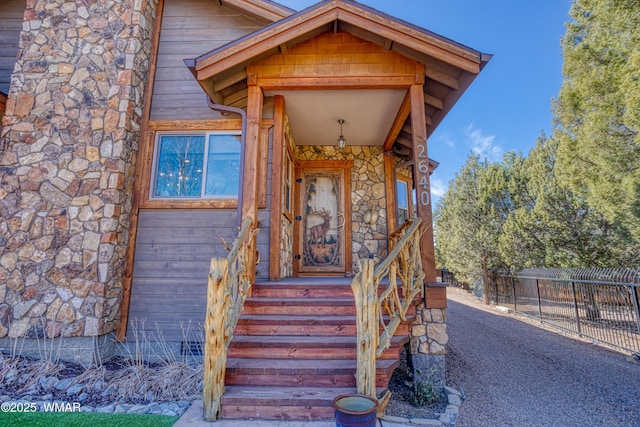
[[67, 158]]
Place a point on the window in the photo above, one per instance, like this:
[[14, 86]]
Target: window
[[404, 199], [288, 183], [196, 166]]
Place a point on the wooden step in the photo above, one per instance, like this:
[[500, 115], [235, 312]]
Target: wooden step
[[282, 403], [304, 347], [301, 306], [278, 290], [294, 350], [302, 373], [302, 325]]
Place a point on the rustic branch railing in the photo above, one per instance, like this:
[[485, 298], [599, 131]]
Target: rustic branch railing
[[378, 316], [229, 285]]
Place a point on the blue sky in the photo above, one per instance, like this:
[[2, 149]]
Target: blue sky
[[509, 104]]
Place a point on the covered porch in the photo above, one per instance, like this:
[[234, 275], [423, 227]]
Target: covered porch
[[353, 95], [390, 83]]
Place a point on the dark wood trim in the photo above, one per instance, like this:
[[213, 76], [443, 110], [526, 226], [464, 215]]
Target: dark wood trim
[[189, 125], [332, 82], [145, 141], [390, 192], [324, 164], [263, 160], [277, 166], [420, 156]]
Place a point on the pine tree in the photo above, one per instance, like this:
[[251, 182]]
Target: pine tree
[[597, 112]]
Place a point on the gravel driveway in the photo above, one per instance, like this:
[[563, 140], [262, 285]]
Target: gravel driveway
[[516, 374]]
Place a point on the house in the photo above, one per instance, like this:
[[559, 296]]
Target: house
[[135, 134]]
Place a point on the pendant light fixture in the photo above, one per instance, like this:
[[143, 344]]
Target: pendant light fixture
[[341, 139]]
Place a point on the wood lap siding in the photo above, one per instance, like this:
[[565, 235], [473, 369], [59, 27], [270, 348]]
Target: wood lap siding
[[173, 252], [189, 29], [11, 13]]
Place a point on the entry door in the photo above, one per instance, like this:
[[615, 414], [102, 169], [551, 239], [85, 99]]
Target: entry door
[[323, 221]]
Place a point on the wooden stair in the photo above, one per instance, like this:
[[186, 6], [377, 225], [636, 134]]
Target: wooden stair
[[294, 350]]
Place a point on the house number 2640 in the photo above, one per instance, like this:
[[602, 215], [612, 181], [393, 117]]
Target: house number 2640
[[423, 173]]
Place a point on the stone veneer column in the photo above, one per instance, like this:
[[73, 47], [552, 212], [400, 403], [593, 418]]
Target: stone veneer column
[[429, 344], [67, 160]]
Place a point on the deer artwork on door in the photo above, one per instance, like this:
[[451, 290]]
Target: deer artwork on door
[[322, 220]]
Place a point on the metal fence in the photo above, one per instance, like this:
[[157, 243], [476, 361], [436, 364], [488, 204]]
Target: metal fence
[[600, 304]]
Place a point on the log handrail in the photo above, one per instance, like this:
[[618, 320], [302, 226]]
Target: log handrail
[[228, 287], [378, 316]]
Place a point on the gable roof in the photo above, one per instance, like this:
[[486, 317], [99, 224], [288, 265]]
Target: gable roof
[[450, 66]]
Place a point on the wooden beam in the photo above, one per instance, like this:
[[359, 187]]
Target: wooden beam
[[433, 101], [236, 97], [388, 44], [405, 142], [390, 191], [342, 82], [230, 80], [421, 181], [441, 77], [142, 170], [398, 123], [278, 153], [251, 155], [169, 125]]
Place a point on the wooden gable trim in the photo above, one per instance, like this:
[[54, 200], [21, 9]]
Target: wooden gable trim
[[337, 61], [325, 14]]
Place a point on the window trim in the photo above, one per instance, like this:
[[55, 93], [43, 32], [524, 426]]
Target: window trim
[[154, 166]]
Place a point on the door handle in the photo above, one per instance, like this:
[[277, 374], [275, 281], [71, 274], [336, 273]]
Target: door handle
[[338, 215]]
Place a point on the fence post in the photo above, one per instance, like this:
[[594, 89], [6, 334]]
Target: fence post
[[539, 304], [636, 303], [575, 307], [513, 287]]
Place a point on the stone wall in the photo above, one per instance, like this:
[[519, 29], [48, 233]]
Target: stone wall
[[68, 155], [368, 205]]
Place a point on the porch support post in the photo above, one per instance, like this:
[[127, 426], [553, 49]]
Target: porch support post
[[276, 186], [251, 158], [390, 190], [421, 181]]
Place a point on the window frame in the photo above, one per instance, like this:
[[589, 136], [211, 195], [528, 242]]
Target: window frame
[[202, 197], [408, 182]]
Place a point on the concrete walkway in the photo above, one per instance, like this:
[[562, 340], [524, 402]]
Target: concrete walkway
[[193, 418]]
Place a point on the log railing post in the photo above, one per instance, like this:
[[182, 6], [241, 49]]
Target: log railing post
[[367, 315], [230, 281], [215, 358]]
